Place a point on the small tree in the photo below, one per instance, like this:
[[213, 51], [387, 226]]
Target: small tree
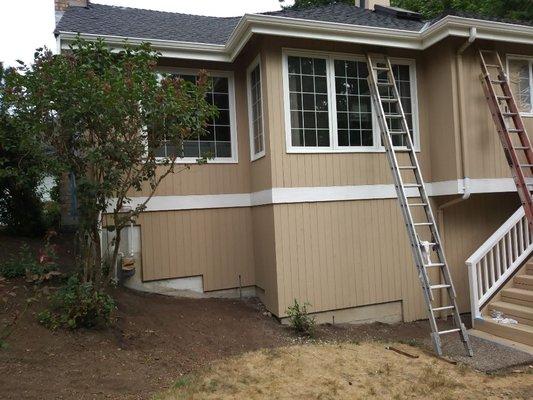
[[105, 113], [23, 165]]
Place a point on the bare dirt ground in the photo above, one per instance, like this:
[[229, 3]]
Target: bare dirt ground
[[157, 341], [345, 371]]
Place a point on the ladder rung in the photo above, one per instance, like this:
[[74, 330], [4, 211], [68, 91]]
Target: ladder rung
[[521, 147], [513, 130], [423, 223], [407, 167], [393, 116], [389, 100], [417, 204], [503, 97], [449, 331], [381, 68], [526, 165], [384, 83], [497, 81], [432, 265], [443, 308], [441, 286], [411, 185], [402, 149], [492, 65], [509, 114], [395, 132]]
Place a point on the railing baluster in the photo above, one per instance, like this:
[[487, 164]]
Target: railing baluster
[[498, 259]]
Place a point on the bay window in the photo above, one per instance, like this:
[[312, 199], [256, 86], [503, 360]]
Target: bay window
[[328, 106]]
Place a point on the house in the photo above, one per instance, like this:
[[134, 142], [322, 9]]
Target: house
[[299, 202]]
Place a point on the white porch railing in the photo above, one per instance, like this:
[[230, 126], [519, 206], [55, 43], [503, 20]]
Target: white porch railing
[[497, 259]]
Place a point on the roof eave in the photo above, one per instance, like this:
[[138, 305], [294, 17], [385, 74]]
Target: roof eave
[[319, 30]]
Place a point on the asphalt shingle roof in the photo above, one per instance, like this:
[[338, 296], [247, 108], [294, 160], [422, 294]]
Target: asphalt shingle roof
[[101, 19], [128, 22]]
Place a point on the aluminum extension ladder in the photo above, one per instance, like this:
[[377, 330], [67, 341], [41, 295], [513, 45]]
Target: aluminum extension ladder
[[421, 227], [508, 121]]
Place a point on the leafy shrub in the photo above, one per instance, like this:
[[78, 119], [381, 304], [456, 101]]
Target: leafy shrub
[[78, 305], [300, 320], [26, 262]]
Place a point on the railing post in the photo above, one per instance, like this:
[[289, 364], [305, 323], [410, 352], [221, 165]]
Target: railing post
[[474, 296]]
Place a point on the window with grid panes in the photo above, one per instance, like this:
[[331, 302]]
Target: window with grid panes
[[256, 111], [354, 106], [308, 98], [403, 83], [521, 82], [216, 140]]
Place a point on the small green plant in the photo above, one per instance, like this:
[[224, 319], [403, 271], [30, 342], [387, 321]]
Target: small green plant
[[299, 318], [78, 305], [17, 266]]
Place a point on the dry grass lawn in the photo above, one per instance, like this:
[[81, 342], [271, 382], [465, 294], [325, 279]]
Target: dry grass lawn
[[346, 371]]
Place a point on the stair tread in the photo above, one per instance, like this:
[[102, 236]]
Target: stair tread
[[528, 279], [517, 292], [516, 332], [513, 309]]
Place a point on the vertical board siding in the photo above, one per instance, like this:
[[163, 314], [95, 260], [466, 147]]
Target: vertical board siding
[[215, 243], [466, 226], [265, 256], [338, 255]]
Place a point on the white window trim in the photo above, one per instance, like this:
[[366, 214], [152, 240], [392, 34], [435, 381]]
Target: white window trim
[[255, 63], [332, 109], [530, 60], [234, 159]]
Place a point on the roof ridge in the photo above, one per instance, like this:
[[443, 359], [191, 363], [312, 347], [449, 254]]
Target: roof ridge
[[160, 11]]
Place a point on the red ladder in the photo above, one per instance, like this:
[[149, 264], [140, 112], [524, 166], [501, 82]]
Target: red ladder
[[514, 138]]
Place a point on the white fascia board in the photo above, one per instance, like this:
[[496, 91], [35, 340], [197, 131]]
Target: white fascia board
[[167, 48]]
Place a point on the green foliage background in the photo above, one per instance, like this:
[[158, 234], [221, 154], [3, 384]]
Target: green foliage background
[[512, 9]]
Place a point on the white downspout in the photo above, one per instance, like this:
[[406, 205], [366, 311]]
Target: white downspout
[[462, 134]]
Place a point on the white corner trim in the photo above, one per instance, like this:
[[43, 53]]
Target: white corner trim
[[315, 194]]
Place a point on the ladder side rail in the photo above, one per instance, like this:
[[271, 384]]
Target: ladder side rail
[[393, 161], [510, 154], [420, 180]]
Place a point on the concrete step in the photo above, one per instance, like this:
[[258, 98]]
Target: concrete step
[[523, 281], [519, 296], [522, 314], [517, 332]]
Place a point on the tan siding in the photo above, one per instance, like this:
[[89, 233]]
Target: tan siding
[[345, 254], [265, 256], [214, 243], [466, 226]]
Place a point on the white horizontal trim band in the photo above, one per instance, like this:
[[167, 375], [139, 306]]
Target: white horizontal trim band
[[315, 194]]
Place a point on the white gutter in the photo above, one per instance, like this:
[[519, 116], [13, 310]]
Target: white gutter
[[320, 30]]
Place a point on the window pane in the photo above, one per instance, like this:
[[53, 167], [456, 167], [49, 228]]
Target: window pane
[[256, 122], [308, 102], [519, 73], [352, 97]]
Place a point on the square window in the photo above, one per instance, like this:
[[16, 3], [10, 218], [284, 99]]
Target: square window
[[296, 101], [296, 119], [322, 121], [343, 137], [321, 102], [320, 67], [297, 136], [355, 138], [321, 85], [340, 68], [309, 101], [308, 84], [294, 65], [220, 85], [342, 120], [223, 133], [295, 83], [351, 69], [310, 137], [207, 149], [223, 149], [221, 100], [309, 120], [323, 137], [307, 65], [222, 118]]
